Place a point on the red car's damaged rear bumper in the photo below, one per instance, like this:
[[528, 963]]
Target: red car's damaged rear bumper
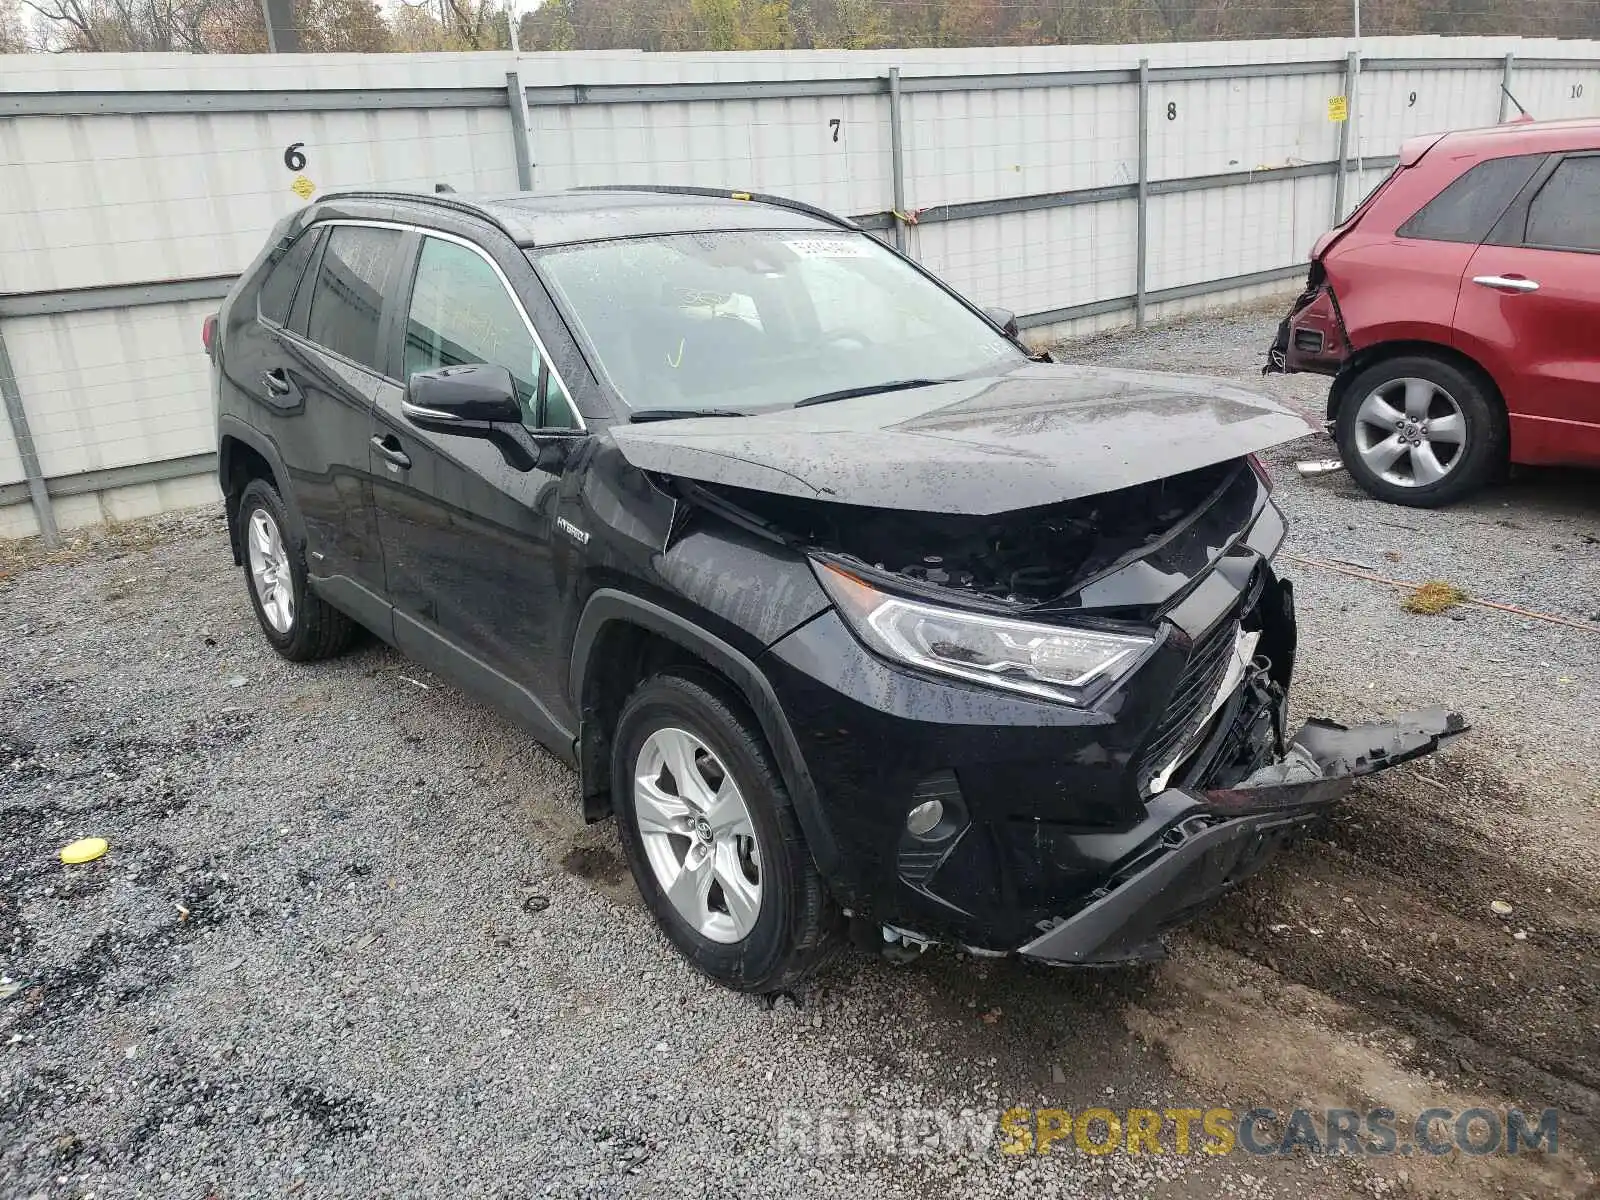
[[1312, 337], [1221, 837]]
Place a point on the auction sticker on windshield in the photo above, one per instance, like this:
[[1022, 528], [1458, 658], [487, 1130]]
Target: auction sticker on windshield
[[829, 247]]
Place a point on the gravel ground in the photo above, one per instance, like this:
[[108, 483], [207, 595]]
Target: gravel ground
[[352, 940]]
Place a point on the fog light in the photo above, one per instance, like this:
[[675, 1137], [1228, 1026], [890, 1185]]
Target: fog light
[[923, 819]]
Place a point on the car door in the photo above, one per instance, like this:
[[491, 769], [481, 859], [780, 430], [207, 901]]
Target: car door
[[304, 404], [1530, 307], [466, 520], [328, 368]]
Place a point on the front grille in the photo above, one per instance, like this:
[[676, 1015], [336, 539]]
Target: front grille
[[1191, 699]]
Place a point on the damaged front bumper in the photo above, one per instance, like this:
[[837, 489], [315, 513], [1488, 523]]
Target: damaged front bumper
[[1219, 837]]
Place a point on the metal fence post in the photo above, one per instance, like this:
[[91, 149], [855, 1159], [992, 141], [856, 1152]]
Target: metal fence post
[[518, 100], [897, 164], [1505, 86], [1344, 140], [1353, 117], [1143, 231], [283, 35], [25, 450]]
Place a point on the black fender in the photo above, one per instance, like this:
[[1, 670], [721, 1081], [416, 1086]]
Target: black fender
[[609, 604], [231, 427]]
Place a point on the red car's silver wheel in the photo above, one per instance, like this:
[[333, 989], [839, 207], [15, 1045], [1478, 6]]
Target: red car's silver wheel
[[1410, 432], [697, 835]]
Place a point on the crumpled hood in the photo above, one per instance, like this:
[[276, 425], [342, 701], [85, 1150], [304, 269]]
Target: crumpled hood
[[1041, 434]]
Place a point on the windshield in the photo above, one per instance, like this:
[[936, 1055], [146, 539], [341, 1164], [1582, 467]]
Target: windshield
[[756, 320]]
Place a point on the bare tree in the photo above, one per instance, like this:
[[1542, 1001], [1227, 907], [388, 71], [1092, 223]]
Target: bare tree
[[13, 35], [350, 26], [110, 25], [451, 25]]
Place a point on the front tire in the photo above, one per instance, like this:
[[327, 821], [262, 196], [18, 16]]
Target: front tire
[[711, 836], [1420, 431], [301, 625]]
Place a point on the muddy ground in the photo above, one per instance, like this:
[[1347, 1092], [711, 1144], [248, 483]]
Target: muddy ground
[[352, 939]]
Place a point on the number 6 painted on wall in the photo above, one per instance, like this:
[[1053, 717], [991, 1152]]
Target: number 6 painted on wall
[[293, 158]]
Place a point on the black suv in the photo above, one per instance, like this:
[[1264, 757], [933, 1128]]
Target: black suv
[[855, 614]]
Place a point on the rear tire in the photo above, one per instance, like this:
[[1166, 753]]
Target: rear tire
[[773, 924], [301, 625], [1420, 431]]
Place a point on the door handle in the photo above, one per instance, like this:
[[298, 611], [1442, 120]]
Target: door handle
[[276, 381], [1507, 283], [389, 446]]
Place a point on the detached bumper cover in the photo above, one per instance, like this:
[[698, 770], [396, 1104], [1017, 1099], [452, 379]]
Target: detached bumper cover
[[1227, 835]]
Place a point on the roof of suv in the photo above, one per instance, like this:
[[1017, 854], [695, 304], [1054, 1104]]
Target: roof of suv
[[592, 214], [1524, 137]]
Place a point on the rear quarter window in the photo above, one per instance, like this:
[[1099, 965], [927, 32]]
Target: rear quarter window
[[1467, 210], [277, 293]]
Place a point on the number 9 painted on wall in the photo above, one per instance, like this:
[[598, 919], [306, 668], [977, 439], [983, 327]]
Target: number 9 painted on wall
[[294, 158]]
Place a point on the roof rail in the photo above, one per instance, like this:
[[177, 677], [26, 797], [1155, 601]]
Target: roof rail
[[810, 210], [428, 199]]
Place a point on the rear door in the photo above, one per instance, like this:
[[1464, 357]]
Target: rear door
[[261, 363], [1530, 313], [332, 369], [466, 521]]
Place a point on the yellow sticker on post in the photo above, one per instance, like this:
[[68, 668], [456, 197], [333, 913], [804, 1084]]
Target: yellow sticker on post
[[1338, 108]]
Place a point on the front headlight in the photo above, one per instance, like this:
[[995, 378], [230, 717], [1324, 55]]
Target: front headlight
[[1056, 662]]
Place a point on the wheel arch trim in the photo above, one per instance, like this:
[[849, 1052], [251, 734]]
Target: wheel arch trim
[[610, 605], [231, 430], [1370, 356]]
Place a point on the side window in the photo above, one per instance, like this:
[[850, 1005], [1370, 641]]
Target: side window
[[277, 293], [461, 313], [1566, 212], [1467, 209], [357, 270]]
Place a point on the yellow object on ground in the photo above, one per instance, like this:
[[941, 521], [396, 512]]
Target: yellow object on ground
[[84, 850]]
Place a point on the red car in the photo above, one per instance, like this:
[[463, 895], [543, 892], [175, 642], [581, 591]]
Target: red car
[[1458, 311]]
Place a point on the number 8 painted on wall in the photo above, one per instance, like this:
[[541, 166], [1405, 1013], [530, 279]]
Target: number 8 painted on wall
[[1172, 110]]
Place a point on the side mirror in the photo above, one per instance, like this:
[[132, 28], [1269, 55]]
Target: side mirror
[[1006, 320], [465, 399]]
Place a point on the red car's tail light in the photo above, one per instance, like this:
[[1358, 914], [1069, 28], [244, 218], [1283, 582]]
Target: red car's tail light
[[208, 334]]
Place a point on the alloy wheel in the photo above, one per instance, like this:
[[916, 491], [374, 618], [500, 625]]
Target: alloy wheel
[[269, 570], [697, 835], [1410, 432]]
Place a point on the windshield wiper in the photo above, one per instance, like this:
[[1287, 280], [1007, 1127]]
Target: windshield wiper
[[871, 389], [640, 415]]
